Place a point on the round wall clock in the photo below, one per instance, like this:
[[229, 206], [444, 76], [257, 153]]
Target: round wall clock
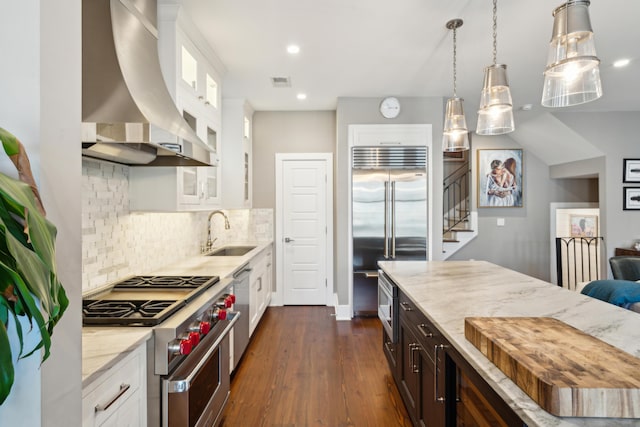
[[390, 107]]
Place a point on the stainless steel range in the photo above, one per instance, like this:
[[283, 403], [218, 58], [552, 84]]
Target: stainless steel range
[[188, 357]]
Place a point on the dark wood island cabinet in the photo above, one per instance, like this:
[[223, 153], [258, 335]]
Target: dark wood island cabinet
[[438, 387]]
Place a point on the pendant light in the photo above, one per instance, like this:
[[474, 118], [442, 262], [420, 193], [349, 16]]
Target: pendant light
[[455, 136], [572, 76], [495, 116]]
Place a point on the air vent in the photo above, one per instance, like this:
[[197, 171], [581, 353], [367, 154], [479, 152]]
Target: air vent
[[281, 81], [389, 157]]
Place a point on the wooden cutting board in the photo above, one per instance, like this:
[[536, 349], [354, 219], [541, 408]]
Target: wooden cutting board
[[567, 372]]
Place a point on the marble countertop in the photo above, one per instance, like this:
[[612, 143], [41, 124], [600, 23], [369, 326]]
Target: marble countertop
[[103, 347], [449, 291]]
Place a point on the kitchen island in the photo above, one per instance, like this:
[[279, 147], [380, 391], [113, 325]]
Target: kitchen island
[[447, 292]]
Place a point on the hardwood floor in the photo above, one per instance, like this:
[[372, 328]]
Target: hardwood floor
[[302, 368]]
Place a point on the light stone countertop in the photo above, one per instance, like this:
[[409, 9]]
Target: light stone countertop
[[449, 291], [103, 347]]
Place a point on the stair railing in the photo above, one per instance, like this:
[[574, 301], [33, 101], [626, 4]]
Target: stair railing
[[578, 260], [456, 205]]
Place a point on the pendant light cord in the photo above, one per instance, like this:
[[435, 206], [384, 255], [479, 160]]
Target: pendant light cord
[[495, 32], [454, 63]]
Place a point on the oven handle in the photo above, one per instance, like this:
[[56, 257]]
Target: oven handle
[[180, 386]]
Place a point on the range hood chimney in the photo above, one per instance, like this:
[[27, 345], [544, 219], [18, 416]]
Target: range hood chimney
[[127, 113]]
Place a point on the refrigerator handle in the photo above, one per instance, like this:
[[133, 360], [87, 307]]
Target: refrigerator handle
[[393, 219], [386, 220]]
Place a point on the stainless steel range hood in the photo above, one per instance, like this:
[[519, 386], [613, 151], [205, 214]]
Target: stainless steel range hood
[[127, 113]]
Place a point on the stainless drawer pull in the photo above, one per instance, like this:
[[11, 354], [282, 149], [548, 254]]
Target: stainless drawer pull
[[405, 306], [123, 390], [425, 330], [415, 368], [435, 376]]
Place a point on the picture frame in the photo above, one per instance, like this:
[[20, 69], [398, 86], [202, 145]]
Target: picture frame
[[583, 225], [631, 170], [631, 199], [500, 178]]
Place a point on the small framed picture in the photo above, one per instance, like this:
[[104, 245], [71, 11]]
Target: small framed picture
[[631, 199], [583, 225], [631, 170], [500, 178]]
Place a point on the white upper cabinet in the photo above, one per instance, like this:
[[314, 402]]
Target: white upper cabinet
[[193, 74], [237, 120]]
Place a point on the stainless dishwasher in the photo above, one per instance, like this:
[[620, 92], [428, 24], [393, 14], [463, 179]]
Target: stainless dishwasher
[[241, 329]]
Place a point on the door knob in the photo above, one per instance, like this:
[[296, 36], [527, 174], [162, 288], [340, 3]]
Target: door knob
[[287, 240]]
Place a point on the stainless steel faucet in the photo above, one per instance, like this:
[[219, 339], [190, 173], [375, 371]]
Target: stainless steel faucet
[[209, 243]]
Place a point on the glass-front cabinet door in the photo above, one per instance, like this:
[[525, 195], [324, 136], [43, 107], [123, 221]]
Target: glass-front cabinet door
[[188, 185]]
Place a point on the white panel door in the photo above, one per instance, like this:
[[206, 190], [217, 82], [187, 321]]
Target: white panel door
[[304, 232]]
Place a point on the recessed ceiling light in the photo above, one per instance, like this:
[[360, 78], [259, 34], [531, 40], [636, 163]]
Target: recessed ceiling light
[[293, 49], [301, 96], [621, 63]]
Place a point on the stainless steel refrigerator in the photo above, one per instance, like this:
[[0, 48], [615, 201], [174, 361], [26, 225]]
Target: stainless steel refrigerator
[[389, 215]]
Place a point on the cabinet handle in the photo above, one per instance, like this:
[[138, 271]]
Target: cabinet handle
[[411, 355], [405, 306], [123, 390], [387, 345], [435, 376], [259, 284], [425, 330], [415, 368]]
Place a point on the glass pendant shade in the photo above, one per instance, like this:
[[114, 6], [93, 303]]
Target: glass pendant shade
[[572, 76], [455, 136], [495, 116]]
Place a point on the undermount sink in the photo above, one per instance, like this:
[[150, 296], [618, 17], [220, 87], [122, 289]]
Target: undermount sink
[[231, 251]]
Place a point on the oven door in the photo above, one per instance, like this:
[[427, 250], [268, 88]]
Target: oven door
[[195, 393], [387, 306]]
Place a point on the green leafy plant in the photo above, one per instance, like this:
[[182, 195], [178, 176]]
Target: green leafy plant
[[29, 285]]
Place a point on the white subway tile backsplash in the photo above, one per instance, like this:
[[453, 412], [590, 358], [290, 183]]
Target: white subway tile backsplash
[[117, 243]]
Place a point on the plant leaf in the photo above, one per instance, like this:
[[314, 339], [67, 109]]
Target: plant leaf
[[9, 142], [31, 309], [6, 364]]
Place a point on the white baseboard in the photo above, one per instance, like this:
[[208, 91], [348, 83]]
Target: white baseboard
[[343, 312]]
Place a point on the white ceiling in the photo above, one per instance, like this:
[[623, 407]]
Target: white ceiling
[[376, 48]]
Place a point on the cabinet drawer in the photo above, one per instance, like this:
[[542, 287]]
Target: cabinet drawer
[[103, 398]]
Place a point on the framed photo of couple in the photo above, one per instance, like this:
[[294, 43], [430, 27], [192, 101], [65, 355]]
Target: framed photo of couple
[[500, 178]]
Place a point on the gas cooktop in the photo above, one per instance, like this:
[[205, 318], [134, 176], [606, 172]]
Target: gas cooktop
[[130, 313], [167, 282], [143, 300]]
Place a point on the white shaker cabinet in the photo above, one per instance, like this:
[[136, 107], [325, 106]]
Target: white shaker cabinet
[[188, 67], [237, 122], [119, 396], [260, 287]]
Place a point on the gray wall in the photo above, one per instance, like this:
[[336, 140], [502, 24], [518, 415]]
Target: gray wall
[[522, 244], [616, 134], [286, 132], [41, 105], [365, 111]]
